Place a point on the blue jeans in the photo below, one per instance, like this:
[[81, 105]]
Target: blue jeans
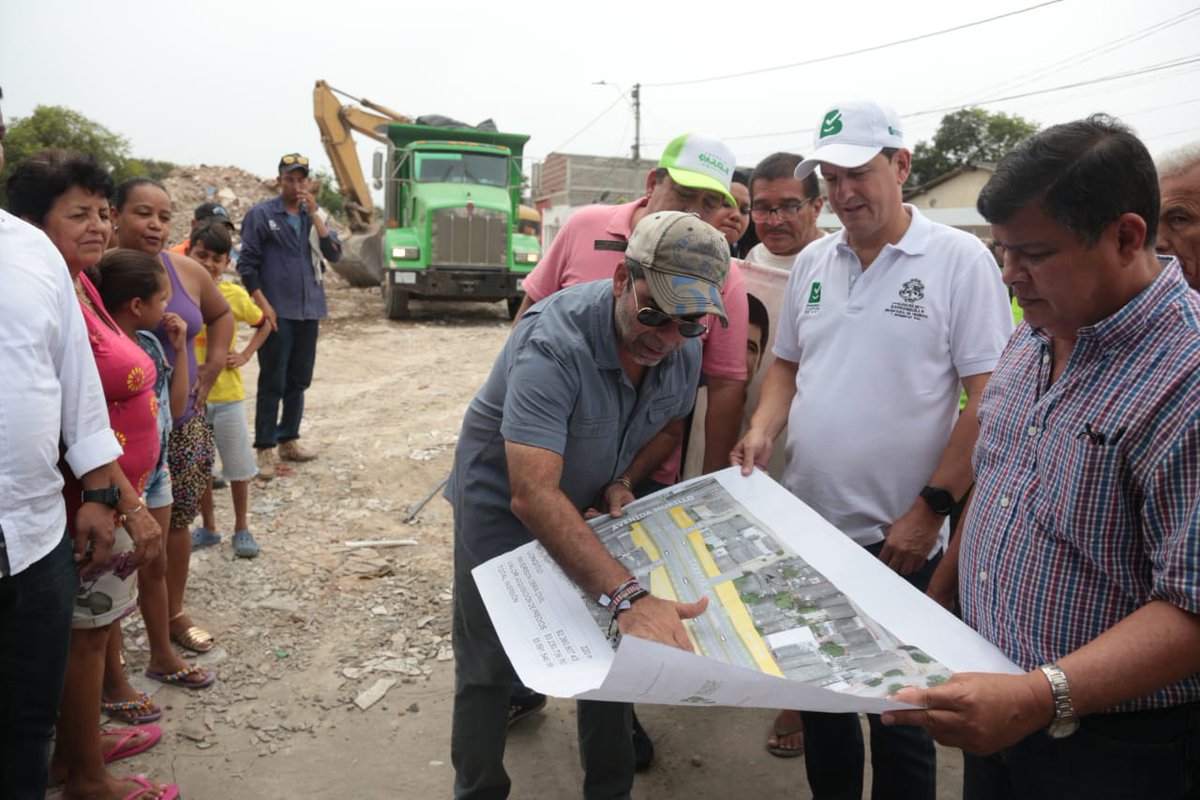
[[285, 369], [35, 634], [903, 757], [1140, 755]]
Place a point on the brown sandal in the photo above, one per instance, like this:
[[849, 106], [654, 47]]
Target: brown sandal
[[194, 638]]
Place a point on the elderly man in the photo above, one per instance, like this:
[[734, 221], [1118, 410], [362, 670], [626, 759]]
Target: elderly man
[[1179, 222], [784, 209], [881, 326], [281, 269], [1080, 556], [586, 398], [43, 339]]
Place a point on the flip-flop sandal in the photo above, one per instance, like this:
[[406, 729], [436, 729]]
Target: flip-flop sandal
[[194, 638], [135, 712], [170, 791], [180, 677], [780, 733], [125, 750]]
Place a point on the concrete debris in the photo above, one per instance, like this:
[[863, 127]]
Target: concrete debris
[[376, 693]]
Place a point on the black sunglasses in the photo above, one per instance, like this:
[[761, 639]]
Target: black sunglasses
[[656, 318]]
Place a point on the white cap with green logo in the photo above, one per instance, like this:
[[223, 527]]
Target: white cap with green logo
[[851, 134], [700, 162]]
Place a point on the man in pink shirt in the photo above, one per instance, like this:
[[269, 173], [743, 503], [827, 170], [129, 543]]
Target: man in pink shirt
[[693, 175]]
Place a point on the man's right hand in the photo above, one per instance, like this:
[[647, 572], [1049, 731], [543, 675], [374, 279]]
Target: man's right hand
[[661, 620], [754, 450], [93, 538]]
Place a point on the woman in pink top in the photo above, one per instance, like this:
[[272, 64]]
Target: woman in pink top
[[66, 195]]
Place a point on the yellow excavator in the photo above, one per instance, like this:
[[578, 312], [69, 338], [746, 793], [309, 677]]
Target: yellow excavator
[[427, 172]]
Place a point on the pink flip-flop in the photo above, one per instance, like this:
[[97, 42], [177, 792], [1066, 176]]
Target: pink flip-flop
[[125, 750], [170, 790]]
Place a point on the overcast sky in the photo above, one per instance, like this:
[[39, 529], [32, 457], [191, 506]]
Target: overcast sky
[[232, 83]]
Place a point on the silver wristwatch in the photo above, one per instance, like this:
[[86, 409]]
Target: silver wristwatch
[[1065, 721]]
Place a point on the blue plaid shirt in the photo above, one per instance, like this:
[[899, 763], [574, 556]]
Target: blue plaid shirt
[[1087, 503]]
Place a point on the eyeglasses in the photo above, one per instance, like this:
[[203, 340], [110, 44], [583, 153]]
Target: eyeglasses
[[656, 318], [295, 158], [785, 211]]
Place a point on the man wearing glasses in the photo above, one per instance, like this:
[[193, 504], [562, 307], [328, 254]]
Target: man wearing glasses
[[881, 326], [784, 209], [279, 271], [586, 399]]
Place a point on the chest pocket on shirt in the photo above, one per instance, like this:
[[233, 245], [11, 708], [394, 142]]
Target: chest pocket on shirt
[[661, 411], [1087, 483], [593, 427]]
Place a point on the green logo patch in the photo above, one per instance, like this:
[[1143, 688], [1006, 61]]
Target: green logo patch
[[814, 294], [893, 132], [832, 124]]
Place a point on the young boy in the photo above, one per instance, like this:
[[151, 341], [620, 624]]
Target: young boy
[[210, 244]]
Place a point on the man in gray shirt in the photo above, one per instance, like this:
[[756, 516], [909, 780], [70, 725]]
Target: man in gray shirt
[[586, 399]]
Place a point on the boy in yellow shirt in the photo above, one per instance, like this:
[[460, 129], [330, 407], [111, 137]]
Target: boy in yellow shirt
[[210, 244]]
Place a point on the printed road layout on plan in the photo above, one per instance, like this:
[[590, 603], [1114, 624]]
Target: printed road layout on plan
[[768, 609]]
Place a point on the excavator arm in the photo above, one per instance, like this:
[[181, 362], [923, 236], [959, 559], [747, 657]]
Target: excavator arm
[[337, 123]]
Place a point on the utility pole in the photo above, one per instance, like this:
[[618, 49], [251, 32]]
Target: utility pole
[[637, 121]]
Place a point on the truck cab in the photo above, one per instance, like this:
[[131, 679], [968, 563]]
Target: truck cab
[[452, 208]]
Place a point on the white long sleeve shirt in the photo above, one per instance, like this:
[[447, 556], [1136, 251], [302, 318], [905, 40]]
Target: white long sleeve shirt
[[49, 389]]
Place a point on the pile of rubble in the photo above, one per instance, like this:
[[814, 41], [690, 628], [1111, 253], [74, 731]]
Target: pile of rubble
[[234, 188]]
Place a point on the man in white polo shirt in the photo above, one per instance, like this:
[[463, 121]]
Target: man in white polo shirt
[[881, 325]]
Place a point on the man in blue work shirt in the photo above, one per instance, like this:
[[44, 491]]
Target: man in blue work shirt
[[284, 275], [586, 399]]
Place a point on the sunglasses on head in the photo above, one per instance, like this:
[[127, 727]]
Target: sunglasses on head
[[294, 159], [656, 318]]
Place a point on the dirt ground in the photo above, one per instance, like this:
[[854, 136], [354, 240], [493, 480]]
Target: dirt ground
[[311, 624]]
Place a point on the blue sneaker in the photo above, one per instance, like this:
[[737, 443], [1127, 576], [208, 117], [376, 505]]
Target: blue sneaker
[[244, 545], [202, 537]]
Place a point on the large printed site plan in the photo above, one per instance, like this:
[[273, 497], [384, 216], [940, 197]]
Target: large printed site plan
[[768, 608]]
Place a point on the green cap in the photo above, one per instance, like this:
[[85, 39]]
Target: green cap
[[700, 162]]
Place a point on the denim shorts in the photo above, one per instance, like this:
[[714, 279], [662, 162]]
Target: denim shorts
[[158, 488], [233, 440]]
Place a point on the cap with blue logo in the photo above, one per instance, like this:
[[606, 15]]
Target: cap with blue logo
[[685, 259]]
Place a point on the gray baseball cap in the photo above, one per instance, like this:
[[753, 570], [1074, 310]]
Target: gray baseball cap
[[685, 259]]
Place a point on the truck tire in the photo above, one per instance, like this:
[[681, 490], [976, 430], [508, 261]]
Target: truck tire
[[395, 301], [514, 305]]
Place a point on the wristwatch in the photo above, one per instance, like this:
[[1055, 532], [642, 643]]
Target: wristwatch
[[1065, 721], [109, 497], [939, 500]]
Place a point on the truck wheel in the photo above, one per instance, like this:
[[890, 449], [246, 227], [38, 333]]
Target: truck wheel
[[514, 305], [395, 301]]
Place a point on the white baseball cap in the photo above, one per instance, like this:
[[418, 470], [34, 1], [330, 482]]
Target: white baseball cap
[[700, 162], [851, 134]]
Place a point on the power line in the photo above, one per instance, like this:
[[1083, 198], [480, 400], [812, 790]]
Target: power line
[[594, 120], [1087, 55], [873, 48], [1183, 61]]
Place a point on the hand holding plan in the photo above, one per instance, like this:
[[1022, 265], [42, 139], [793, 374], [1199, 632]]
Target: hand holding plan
[[977, 711], [659, 620]]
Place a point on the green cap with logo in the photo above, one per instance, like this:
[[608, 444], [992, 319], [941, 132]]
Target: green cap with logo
[[700, 162], [685, 259], [851, 134]]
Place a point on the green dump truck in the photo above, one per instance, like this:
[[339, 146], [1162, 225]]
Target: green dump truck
[[451, 216]]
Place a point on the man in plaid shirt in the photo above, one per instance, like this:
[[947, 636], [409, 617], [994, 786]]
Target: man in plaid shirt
[[1080, 555]]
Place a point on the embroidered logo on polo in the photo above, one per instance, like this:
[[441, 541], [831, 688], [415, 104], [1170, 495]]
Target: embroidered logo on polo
[[832, 124], [909, 307], [814, 298]]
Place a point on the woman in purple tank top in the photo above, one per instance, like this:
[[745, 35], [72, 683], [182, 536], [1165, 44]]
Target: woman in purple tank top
[[141, 216]]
